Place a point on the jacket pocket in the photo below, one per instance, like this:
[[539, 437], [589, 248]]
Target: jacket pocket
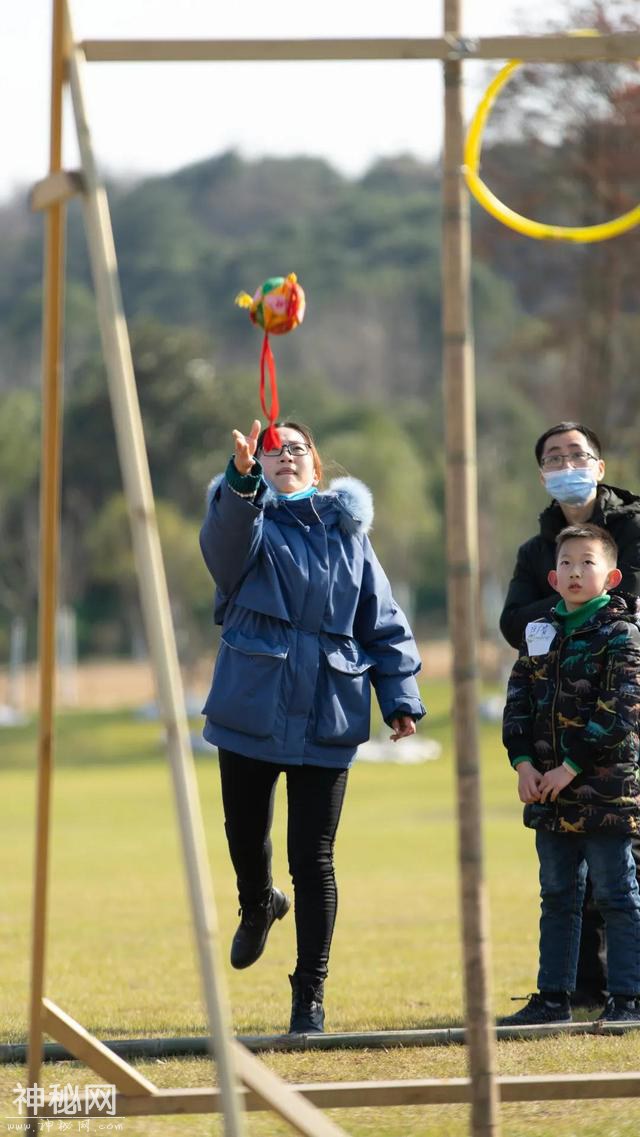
[[247, 678], [343, 695]]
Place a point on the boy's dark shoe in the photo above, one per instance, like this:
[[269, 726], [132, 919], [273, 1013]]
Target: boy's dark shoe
[[307, 1012], [621, 1009], [540, 1009], [249, 941]]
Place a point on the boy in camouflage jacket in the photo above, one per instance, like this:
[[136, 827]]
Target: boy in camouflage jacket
[[571, 731]]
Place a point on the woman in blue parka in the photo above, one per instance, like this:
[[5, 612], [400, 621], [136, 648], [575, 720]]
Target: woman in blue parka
[[308, 625]]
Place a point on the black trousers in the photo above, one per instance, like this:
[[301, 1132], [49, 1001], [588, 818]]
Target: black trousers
[[314, 798]]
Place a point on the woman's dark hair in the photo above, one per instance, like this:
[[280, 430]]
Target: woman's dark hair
[[308, 437], [562, 428]]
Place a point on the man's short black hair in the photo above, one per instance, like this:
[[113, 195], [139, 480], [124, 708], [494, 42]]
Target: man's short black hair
[[589, 532], [562, 428]]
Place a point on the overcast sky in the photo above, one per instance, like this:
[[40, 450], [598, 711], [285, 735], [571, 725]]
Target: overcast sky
[[149, 118]]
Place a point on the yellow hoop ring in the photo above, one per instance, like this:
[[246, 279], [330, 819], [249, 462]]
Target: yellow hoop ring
[[509, 217]]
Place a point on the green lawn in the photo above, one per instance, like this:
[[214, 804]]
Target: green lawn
[[121, 957]]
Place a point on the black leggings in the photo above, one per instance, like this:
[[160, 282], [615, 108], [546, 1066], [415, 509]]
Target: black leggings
[[314, 795]]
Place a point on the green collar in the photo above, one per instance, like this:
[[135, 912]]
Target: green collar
[[576, 619]]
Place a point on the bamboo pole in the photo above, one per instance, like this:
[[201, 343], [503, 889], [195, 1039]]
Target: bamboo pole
[[52, 332], [559, 48], [232, 1060], [462, 575], [155, 598], [149, 1048]]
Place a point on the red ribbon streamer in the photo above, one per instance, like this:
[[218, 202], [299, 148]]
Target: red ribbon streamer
[[271, 440]]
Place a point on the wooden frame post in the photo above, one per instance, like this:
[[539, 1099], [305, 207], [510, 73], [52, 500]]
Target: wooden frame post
[[154, 594], [52, 320], [462, 577]]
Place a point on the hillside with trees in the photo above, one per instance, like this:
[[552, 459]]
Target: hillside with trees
[[557, 330]]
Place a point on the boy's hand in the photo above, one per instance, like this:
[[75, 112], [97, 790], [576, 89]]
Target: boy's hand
[[529, 782], [245, 448], [403, 726], [554, 781]]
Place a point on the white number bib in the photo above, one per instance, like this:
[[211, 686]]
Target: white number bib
[[539, 638]]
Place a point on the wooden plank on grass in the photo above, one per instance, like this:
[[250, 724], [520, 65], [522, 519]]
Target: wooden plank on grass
[[569, 1087], [368, 1095], [94, 1053]]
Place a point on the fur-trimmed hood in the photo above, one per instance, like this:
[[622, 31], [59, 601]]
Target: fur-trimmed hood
[[352, 497]]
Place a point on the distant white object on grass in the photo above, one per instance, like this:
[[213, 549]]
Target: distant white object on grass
[[491, 709], [9, 716], [406, 752]]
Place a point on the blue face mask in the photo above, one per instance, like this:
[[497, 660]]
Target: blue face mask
[[297, 495], [569, 486]]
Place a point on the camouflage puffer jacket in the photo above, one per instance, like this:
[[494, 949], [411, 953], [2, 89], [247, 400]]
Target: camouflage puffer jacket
[[581, 700]]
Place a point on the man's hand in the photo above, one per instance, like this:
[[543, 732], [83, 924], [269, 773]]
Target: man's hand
[[403, 726], [529, 782], [245, 448], [554, 781]]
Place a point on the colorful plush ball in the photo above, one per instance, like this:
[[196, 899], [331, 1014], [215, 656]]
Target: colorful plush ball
[[277, 307]]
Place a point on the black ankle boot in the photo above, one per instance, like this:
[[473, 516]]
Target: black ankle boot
[[307, 1012], [249, 941]]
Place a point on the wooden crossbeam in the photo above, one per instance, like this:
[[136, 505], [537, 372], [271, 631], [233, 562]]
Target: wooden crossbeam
[[357, 1095], [563, 48], [55, 189], [95, 1054], [617, 46], [230, 50]]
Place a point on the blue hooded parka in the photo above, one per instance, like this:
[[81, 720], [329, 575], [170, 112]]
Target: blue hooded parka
[[308, 624]]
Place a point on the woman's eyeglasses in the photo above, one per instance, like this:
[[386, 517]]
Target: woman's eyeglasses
[[296, 450]]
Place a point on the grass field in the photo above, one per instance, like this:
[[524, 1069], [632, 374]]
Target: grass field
[[121, 958]]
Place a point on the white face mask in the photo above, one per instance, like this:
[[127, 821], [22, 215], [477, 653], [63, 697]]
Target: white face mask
[[570, 486]]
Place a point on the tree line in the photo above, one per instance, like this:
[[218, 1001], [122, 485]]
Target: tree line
[[557, 331]]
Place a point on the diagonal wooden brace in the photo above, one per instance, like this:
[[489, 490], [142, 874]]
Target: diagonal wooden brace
[[94, 1053]]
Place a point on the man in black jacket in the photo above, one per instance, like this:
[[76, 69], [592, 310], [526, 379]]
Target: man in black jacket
[[571, 468]]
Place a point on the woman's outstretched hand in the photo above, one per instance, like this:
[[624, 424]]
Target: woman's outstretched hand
[[403, 726], [245, 447]]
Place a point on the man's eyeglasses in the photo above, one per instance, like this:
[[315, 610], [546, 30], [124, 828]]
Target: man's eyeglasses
[[296, 450], [578, 459]]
